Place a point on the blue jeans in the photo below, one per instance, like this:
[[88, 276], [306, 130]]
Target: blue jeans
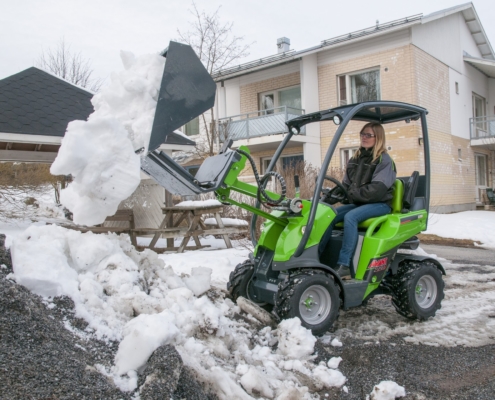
[[352, 215]]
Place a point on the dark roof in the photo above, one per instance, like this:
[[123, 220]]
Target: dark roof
[[38, 103], [175, 138]]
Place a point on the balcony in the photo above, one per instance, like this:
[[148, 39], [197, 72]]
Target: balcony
[[482, 132], [257, 124]]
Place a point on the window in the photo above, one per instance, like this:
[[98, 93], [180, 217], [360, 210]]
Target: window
[[345, 156], [479, 115], [358, 87], [481, 163], [285, 161], [192, 127], [457, 87], [289, 97]]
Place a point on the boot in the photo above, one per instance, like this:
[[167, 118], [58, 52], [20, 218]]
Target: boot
[[343, 271]]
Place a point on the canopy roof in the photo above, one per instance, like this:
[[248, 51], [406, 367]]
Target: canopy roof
[[382, 112]]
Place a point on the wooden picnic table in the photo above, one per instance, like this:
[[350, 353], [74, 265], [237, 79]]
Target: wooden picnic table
[[171, 227]]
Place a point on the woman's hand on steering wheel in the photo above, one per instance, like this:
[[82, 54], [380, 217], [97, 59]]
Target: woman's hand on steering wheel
[[337, 194]]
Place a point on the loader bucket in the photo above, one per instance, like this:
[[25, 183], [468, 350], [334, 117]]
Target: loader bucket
[[187, 90]]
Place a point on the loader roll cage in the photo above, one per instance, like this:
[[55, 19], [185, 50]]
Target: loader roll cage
[[383, 112]]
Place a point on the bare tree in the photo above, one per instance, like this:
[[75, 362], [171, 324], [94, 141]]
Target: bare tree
[[72, 67], [217, 47]]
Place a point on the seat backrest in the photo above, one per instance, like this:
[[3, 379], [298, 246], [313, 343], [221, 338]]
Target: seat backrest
[[410, 191], [397, 197], [489, 194]]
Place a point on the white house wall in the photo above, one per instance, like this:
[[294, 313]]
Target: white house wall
[[232, 98], [460, 104], [467, 42], [491, 97], [310, 103], [441, 39], [366, 46]]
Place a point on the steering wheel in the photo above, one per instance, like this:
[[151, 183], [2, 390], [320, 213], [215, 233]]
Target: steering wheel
[[340, 197]]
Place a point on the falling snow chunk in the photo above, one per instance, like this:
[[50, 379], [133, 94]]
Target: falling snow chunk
[[100, 153]]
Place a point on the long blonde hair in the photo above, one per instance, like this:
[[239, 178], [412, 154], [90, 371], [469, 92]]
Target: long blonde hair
[[380, 146]]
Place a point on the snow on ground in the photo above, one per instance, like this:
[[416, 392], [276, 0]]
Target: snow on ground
[[139, 300], [144, 300], [473, 225], [466, 317], [100, 153]]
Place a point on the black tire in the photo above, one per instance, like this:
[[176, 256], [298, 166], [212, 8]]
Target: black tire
[[296, 293], [417, 289], [239, 280]]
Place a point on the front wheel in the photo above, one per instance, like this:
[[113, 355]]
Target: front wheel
[[313, 297], [240, 284], [417, 290]]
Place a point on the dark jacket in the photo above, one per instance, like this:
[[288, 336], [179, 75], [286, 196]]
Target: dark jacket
[[370, 181]]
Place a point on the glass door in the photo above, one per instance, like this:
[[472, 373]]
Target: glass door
[[481, 162], [479, 115]]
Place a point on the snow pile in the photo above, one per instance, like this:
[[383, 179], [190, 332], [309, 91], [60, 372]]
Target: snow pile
[[199, 203], [100, 153], [386, 390], [227, 222], [472, 225], [136, 299]]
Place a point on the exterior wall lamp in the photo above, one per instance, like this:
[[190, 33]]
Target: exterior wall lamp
[[420, 141]]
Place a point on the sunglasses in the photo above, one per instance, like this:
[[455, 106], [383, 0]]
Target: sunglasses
[[367, 135]]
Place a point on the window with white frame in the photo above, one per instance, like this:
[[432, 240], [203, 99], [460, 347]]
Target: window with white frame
[[346, 155], [290, 97], [359, 86], [284, 161], [192, 127]]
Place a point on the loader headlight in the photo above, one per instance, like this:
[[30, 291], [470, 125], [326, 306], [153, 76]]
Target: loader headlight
[[336, 119], [294, 130], [303, 229]]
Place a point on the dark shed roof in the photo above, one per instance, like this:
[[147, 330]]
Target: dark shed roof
[[38, 103]]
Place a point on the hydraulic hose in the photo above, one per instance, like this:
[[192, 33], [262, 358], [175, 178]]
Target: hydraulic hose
[[261, 195]]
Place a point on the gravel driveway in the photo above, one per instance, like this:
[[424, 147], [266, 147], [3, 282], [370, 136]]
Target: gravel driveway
[[40, 359]]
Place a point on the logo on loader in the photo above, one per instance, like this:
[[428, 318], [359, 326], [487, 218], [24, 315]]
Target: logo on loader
[[378, 264]]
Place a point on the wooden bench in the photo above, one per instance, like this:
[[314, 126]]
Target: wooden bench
[[120, 216]]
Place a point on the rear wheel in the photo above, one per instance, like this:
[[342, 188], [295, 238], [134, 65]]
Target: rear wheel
[[313, 297], [417, 290], [240, 283]]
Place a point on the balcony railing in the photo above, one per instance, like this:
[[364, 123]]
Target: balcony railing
[[482, 127], [257, 123]]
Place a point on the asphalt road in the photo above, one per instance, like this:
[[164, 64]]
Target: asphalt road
[[462, 255]]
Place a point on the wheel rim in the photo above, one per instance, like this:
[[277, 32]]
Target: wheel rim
[[315, 305], [426, 291]]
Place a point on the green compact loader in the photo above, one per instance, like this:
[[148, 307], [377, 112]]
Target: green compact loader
[[285, 273]]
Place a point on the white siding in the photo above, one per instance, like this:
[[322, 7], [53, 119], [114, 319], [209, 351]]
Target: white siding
[[442, 39], [232, 97], [460, 104]]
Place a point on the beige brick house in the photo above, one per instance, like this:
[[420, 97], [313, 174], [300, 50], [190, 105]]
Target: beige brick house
[[442, 61]]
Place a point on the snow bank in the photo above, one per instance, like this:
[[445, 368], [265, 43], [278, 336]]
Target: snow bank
[[136, 299], [100, 153], [473, 225]]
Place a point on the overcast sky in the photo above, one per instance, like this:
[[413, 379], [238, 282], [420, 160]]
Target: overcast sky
[[99, 29]]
